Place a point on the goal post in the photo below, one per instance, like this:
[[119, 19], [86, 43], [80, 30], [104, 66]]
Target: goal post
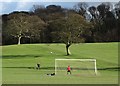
[[77, 64]]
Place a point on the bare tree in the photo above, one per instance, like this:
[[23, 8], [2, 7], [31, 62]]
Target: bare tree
[[117, 9], [81, 8], [70, 29], [22, 25]]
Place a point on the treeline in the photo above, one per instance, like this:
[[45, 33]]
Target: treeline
[[54, 24]]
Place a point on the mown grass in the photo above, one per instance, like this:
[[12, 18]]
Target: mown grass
[[19, 62]]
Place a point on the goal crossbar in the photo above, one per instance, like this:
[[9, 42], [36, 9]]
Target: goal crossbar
[[78, 59], [91, 60]]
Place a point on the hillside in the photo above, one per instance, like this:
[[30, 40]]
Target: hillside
[[106, 54]]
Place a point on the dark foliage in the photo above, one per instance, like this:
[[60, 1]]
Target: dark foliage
[[105, 23]]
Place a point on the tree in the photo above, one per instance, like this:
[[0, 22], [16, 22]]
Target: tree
[[51, 12], [117, 9], [21, 25], [104, 23], [70, 29], [81, 8], [104, 8], [117, 12], [40, 11], [93, 12], [48, 14]]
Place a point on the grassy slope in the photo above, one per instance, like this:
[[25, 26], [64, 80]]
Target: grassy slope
[[17, 59]]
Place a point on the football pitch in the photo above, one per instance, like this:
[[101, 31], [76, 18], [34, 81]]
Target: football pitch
[[19, 61]]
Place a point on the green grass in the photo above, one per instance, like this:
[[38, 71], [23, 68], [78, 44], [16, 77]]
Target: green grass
[[19, 62]]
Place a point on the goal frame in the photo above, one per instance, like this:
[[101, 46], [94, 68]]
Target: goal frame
[[92, 60]]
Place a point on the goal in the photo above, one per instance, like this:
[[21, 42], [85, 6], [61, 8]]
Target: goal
[[78, 66]]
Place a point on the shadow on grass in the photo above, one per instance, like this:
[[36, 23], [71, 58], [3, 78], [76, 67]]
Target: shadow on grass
[[33, 56], [43, 68], [64, 68], [110, 68], [19, 56]]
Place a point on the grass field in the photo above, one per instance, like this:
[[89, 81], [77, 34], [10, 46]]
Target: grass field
[[19, 62]]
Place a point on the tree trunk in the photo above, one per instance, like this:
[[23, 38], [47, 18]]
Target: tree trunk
[[67, 49], [19, 39]]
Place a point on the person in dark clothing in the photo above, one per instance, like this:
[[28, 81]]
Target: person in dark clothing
[[38, 66], [52, 74]]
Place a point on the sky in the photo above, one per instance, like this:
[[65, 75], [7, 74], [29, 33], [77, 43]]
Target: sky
[[8, 6]]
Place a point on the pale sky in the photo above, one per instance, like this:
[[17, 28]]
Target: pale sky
[[8, 6]]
